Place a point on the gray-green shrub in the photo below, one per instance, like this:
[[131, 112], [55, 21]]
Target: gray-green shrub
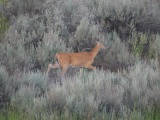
[[3, 82], [40, 30], [92, 92]]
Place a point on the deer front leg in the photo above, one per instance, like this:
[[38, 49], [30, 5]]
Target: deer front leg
[[90, 67], [51, 66]]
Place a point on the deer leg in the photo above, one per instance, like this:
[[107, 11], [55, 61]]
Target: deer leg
[[90, 67], [81, 71], [64, 70], [51, 66]]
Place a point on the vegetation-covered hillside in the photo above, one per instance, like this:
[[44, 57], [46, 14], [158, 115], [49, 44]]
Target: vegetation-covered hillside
[[33, 31]]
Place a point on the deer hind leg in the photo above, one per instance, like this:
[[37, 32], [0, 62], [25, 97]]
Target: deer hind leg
[[52, 66], [64, 70]]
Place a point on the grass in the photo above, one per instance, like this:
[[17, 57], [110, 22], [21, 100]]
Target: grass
[[14, 114], [8, 114], [3, 24], [3, 21], [3, 2], [152, 113]]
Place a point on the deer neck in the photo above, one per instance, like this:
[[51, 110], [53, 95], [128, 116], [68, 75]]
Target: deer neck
[[95, 51]]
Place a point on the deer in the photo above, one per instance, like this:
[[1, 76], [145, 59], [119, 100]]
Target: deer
[[79, 59]]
